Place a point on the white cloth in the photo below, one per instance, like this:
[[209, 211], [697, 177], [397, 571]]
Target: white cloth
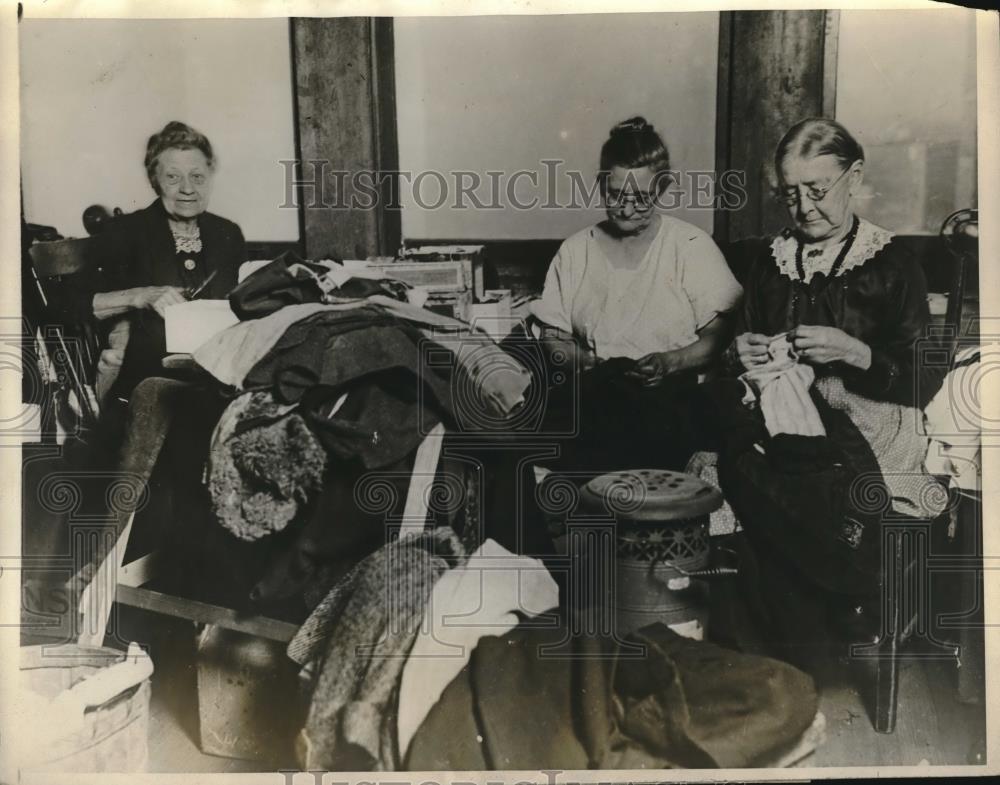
[[467, 604], [682, 283], [782, 386], [953, 425], [231, 354]]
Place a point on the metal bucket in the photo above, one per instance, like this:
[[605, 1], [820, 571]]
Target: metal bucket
[[112, 737]]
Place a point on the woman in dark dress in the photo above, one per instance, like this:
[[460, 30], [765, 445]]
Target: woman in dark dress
[[852, 303], [154, 257], [140, 265]]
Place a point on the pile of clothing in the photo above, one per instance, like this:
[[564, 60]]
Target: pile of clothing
[[424, 658], [334, 377]]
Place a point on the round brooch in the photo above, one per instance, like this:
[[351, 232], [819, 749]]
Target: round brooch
[[189, 264]]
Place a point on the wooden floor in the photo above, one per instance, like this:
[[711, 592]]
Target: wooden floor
[[933, 727]]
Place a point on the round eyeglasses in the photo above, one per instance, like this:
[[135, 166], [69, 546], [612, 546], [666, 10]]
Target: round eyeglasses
[[640, 200], [791, 196]]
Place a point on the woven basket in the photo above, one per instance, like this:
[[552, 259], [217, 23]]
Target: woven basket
[[114, 735]]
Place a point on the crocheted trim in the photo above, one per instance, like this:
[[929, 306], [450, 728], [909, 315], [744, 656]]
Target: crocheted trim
[[185, 243], [870, 240]]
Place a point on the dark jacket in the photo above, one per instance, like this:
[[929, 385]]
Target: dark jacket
[[138, 250]]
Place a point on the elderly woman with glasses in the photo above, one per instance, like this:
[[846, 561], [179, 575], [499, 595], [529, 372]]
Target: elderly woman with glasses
[[851, 299], [821, 439], [641, 300], [156, 257]]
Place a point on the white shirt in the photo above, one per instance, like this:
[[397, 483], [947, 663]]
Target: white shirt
[[681, 284]]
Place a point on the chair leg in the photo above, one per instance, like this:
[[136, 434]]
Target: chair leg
[[887, 683], [97, 599], [887, 662]]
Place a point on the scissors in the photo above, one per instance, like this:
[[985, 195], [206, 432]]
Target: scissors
[[191, 294]]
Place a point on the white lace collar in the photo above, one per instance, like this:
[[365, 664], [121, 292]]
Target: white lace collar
[[869, 241], [187, 243]]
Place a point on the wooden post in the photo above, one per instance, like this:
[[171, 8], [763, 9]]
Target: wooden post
[[346, 129], [772, 68]]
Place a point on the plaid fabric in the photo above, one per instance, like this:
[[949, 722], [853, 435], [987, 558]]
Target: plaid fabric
[[361, 634], [704, 466], [895, 437]]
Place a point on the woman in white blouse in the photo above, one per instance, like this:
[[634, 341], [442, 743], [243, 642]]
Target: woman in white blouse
[[642, 293]]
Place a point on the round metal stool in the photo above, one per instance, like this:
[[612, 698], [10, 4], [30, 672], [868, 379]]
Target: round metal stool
[[662, 543]]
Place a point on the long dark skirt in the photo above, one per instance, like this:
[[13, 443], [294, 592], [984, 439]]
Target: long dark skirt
[[811, 548], [603, 420]]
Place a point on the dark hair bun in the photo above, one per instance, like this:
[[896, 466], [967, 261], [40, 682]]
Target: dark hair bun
[[633, 144], [634, 125]]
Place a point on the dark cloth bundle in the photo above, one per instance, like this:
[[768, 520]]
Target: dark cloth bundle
[[602, 418], [538, 699], [811, 510], [289, 280], [394, 396]]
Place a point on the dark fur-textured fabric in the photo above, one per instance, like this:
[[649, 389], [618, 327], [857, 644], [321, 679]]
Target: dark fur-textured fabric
[[265, 464]]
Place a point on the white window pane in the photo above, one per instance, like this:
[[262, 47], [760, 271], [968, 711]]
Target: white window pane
[[906, 87]]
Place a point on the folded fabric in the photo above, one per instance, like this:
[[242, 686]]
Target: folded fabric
[[493, 384], [230, 354], [396, 396], [482, 597], [782, 386], [952, 422]]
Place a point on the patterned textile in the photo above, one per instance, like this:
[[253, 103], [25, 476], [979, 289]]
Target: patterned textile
[[705, 466], [894, 435], [361, 634]]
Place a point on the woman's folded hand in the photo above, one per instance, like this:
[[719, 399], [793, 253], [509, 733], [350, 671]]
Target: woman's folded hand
[[654, 367], [820, 345], [752, 349], [157, 298]]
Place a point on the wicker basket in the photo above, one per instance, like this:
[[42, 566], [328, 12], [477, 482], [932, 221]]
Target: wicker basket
[[113, 736]]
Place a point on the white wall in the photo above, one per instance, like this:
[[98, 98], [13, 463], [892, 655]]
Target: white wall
[[94, 90], [504, 93]]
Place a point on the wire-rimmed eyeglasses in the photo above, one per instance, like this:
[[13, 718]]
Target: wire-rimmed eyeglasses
[[640, 200], [790, 196]]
